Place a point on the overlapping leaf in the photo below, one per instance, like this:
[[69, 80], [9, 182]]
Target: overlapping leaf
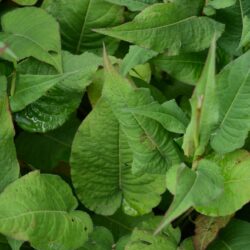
[[234, 93], [205, 113], [234, 168], [52, 98], [142, 237], [186, 68], [101, 173], [235, 237], [171, 26], [9, 167], [237, 20], [47, 150], [78, 19], [120, 224], [40, 209], [38, 36], [153, 149], [25, 2], [134, 5], [100, 239], [169, 115], [135, 56], [192, 189]]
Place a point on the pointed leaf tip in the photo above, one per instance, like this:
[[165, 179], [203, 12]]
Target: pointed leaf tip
[[106, 61]]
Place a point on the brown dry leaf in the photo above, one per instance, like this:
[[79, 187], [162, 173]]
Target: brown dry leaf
[[206, 230]]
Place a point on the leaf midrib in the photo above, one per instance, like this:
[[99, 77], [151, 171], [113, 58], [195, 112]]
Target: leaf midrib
[[142, 128], [32, 213], [55, 78], [157, 27], [83, 28]]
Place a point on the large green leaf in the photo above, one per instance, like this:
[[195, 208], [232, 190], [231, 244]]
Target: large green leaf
[[101, 172], [234, 237], [134, 5], [25, 2], [46, 151], [186, 68], [38, 36], [193, 188], [237, 23], [40, 209], [100, 239], [234, 93], [78, 19], [235, 169], [153, 149], [9, 167], [171, 26], [63, 92], [205, 113]]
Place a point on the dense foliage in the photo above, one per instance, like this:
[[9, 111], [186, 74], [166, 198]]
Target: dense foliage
[[124, 124]]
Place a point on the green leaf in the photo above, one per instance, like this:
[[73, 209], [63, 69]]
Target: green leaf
[[220, 4], [186, 68], [233, 92], [46, 151], [63, 92], [79, 19], [194, 188], [135, 56], [154, 91], [25, 2], [38, 36], [173, 234], [234, 237], [94, 90], [153, 149], [207, 229], [245, 38], [236, 31], [173, 27], [40, 209], [142, 72], [120, 224], [187, 244], [104, 191], [15, 244], [143, 238], [134, 5], [30, 88], [234, 168], [169, 115], [205, 113], [122, 242], [9, 167], [100, 239]]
